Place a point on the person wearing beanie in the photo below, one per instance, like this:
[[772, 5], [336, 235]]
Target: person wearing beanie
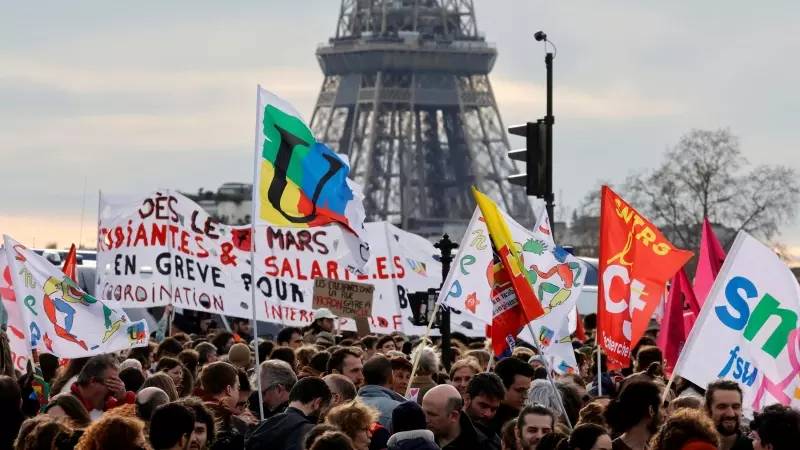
[[239, 356], [410, 429]]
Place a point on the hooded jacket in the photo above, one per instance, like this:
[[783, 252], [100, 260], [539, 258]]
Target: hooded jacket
[[413, 440], [284, 431], [382, 399]]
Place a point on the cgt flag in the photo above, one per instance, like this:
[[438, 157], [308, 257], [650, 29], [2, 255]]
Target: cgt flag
[[301, 182], [503, 242], [636, 261], [61, 319]]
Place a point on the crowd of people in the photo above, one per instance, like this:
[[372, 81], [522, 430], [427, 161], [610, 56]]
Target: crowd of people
[[320, 391]]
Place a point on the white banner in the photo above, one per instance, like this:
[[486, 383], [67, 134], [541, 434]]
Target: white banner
[[178, 254], [747, 330]]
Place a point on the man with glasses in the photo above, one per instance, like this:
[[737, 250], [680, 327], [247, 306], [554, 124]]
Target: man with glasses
[[277, 380]]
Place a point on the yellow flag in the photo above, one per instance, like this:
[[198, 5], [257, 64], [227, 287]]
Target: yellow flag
[[504, 245]]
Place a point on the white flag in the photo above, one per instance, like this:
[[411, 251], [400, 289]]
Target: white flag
[[747, 330], [60, 318]]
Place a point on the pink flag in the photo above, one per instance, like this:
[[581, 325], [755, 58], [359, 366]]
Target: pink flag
[[711, 258], [678, 319]]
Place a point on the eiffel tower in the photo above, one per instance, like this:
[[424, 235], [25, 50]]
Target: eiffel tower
[[407, 97]]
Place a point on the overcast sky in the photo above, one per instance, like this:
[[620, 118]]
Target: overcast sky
[[137, 95]]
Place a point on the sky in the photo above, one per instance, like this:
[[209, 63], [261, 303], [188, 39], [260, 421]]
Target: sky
[[127, 97]]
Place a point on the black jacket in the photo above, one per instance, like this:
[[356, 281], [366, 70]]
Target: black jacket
[[470, 437], [413, 440], [284, 431]]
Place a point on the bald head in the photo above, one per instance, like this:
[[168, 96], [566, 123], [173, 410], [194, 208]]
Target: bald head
[[148, 399], [444, 396]]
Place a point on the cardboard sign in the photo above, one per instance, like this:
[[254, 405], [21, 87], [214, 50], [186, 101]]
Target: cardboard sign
[[343, 298]]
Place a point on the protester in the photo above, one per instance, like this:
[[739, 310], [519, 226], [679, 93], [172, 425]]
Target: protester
[[516, 376], [113, 432], [385, 344], [309, 399], [315, 434], [63, 383], [377, 389], [99, 387], [174, 369], [482, 398], [333, 440], [11, 416], [401, 374], [776, 427], [67, 407], [635, 414], [164, 382], [203, 434], [451, 427], [533, 422], [277, 380], [508, 436], [409, 426], [323, 322], [241, 330], [172, 427], [207, 354], [45, 432], [239, 356], [148, 400], [427, 367], [356, 420], [220, 383], [587, 436], [342, 389], [346, 362], [461, 372], [552, 440], [686, 429], [290, 337], [316, 367], [724, 405]]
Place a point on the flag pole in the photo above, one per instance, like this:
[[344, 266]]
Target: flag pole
[[253, 259], [599, 371], [422, 347]]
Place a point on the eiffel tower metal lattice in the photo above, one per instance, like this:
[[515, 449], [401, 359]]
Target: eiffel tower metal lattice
[[407, 97]]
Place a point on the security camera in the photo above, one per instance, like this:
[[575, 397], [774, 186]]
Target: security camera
[[540, 36]]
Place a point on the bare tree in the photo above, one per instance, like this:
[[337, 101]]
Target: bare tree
[[706, 175]]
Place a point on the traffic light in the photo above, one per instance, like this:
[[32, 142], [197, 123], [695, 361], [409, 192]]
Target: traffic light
[[538, 178]]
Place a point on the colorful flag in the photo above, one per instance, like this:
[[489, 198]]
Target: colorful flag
[[747, 331], [507, 315], [674, 330], [636, 261], [301, 182], [60, 318], [710, 261], [501, 237]]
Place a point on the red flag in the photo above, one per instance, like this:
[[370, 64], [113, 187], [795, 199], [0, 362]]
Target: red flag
[[636, 261], [678, 319], [507, 314], [70, 268], [580, 333], [710, 262]]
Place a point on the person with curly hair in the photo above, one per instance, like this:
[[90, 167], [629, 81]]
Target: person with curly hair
[[592, 413], [113, 432], [333, 440], [687, 429], [44, 432], [776, 427], [356, 420]]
